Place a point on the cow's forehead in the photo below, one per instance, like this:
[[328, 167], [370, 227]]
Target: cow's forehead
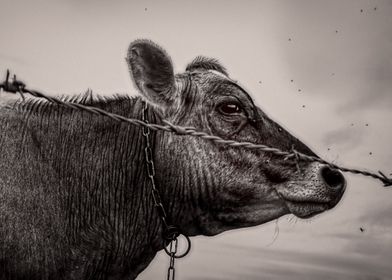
[[211, 83], [217, 77], [212, 78]]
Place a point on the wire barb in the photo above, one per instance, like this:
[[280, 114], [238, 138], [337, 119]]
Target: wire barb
[[297, 158], [17, 86], [387, 181]]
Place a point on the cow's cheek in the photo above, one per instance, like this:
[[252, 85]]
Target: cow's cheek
[[244, 204]]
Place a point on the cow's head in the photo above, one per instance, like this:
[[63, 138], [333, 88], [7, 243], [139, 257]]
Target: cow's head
[[207, 187]]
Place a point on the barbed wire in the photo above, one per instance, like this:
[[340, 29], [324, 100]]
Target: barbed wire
[[16, 86]]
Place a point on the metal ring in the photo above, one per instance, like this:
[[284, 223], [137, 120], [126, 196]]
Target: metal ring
[[188, 240]]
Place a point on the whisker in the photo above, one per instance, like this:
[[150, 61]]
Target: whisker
[[276, 233]]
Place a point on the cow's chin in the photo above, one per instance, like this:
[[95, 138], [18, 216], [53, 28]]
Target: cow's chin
[[304, 210], [241, 218]]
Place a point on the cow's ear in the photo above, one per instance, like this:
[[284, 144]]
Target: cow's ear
[[152, 71]]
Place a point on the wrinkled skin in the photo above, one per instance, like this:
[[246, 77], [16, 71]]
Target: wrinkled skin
[[255, 189], [77, 200], [226, 188]]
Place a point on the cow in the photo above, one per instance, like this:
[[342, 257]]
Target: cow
[[75, 197]]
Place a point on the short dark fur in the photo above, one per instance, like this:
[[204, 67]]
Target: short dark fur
[[87, 98], [85, 195], [206, 63]]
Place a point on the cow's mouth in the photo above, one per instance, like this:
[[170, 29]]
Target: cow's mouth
[[305, 209]]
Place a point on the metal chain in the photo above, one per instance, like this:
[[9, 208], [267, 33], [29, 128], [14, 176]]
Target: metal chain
[[171, 272], [16, 86], [170, 232], [151, 171]]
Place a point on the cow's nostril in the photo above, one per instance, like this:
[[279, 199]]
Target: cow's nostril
[[333, 177]]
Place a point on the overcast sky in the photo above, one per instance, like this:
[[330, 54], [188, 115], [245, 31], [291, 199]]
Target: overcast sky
[[339, 56]]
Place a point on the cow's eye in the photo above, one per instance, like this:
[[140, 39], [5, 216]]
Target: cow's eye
[[230, 108]]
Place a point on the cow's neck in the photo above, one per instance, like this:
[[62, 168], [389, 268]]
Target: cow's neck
[[101, 171]]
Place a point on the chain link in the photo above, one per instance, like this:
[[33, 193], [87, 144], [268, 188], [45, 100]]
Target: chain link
[[151, 170], [170, 232], [172, 253]]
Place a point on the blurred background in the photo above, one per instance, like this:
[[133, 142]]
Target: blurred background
[[322, 69]]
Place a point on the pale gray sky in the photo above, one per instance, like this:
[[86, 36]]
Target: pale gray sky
[[338, 53]]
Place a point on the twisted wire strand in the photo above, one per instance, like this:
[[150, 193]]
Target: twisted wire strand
[[19, 87]]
